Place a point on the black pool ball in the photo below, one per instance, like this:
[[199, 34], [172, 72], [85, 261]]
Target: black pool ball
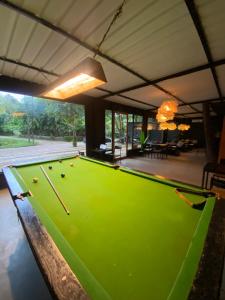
[[50, 167], [63, 175]]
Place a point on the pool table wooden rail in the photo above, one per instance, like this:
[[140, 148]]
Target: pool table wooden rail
[[60, 279]]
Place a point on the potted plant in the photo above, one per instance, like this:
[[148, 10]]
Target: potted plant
[[143, 141]]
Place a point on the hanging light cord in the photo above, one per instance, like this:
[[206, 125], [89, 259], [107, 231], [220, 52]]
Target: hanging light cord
[[115, 17]]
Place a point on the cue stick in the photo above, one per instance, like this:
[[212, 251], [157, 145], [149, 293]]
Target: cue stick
[[54, 189]]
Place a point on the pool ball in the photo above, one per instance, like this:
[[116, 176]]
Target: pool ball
[[35, 180], [50, 167], [71, 164], [63, 175], [60, 160]]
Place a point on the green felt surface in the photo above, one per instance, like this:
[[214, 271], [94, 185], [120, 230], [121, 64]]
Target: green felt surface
[[126, 237]]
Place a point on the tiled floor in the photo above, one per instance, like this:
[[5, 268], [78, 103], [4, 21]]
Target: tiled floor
[[186, 168]]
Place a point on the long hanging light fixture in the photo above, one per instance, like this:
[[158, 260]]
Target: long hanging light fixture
[[87, 75]]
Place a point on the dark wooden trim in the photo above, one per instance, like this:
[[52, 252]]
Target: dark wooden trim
[[204, 101], [201, 33], [170, 76], [66, 34], [60, 279], [135, 100], [18, 63], [119, 93], [190, 113]]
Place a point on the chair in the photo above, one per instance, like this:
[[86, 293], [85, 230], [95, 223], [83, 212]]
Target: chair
[[210, 167]]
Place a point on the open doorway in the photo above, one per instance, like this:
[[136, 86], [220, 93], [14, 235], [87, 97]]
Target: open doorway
[[120, 134]]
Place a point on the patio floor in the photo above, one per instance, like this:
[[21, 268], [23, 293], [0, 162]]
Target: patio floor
[[44, 150]]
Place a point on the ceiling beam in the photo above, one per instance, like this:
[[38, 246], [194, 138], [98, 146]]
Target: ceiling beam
[[189, 113], [171, 76], [18, 86], [8, 60], [101, 89], [66, 34], [201, 33], [126, 97], [204, 101], [43, 71]]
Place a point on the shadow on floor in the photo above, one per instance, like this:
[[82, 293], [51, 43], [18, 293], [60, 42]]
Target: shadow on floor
[[24, 276]]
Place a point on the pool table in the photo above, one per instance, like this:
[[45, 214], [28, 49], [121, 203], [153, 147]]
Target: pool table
[[102, 231]]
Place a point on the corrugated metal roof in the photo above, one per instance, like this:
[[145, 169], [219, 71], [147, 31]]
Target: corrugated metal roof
[[152, 38], [148, 94], [192, 87]]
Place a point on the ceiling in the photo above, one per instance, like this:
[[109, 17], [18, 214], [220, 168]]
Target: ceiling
[[156, 50]]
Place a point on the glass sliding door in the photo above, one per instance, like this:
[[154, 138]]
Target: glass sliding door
[[108, 128], [120, 134], [130, 131], [137, 129]]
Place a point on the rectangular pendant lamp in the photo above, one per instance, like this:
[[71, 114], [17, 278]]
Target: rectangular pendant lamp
[[86, 75]]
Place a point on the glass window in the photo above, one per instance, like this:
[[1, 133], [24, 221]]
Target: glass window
[[39, 128]]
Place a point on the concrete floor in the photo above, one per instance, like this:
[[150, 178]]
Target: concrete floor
[[20, 278], [186, 168]]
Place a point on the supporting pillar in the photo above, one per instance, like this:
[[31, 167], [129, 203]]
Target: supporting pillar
[[95, 126], [222, 143], [145, 124], [209, 134]]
